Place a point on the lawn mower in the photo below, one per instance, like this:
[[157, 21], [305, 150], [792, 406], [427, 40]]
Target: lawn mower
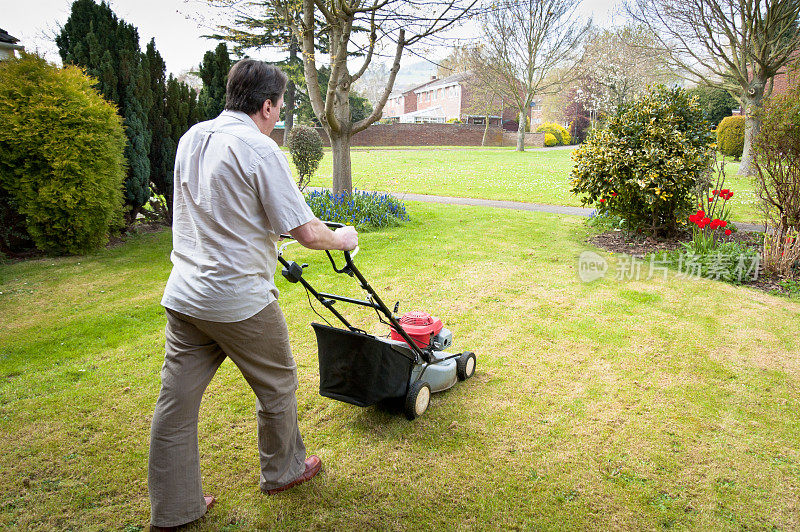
[[405, 366]]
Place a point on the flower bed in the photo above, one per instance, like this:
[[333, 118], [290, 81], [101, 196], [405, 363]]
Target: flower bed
[[364, 210]]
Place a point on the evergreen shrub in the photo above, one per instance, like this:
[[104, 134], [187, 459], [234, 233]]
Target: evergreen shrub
[[730, 136], [306, 149], [95, 39], [716, 103], [61, 155], [645, 165]]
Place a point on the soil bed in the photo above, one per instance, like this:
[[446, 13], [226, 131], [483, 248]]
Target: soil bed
[[618, 241]]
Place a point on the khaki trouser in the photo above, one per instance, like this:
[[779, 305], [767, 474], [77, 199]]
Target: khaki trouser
[[259, 346]]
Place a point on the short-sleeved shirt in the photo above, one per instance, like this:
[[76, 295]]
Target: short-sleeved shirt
[[234, 196]]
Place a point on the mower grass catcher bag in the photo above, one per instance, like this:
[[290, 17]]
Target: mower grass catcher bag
[[359, 369]]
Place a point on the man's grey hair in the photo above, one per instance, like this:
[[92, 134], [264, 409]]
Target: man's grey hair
[[251, 83]]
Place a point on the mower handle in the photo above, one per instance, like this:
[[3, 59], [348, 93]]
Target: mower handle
[[348, 255]]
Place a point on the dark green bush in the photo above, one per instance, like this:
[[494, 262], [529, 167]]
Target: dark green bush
[[360, 209], [61, 155], [716, 103], [306, 148], [730, 136], [644, 166]]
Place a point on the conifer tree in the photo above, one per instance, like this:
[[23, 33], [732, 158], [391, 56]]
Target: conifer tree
[[214, 73], [180, 113], [108, 48], [264, 25], [160, 170]]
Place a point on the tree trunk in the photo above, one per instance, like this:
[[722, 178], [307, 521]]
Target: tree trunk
[[752, 100], [289, 98], [288, 112], [485, 131], [342, 177], [521, 132], [340, 138]]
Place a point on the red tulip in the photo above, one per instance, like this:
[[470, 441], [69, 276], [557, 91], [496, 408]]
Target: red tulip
[[728, 232]]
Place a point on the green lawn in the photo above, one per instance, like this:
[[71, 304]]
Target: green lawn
[[611, 405], [537, 176]]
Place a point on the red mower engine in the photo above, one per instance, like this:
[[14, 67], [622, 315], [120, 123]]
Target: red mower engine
[[425, 330]]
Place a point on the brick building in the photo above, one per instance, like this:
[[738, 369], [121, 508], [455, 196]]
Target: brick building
[[788, 76], [448, 99], [402, 102]]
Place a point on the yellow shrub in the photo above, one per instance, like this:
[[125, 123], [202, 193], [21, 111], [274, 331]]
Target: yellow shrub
[[730, 136]]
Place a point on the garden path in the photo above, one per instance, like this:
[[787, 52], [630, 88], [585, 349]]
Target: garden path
[[523, 206]]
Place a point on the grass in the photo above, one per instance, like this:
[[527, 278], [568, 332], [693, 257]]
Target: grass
[[537, 176], [610, 405]]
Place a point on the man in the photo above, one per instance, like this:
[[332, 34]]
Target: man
[[234, 196]]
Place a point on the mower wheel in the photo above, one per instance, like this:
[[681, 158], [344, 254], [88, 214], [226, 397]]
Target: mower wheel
[[465, 365], [417, 399]]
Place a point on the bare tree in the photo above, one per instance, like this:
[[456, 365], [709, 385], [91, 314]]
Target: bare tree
[[524, 41], [738, 45], [622, 62], [399, 22], [486, 101], [459, 60], [485, 97]]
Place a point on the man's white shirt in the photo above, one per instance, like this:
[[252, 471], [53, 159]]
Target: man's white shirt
[[233, 196]]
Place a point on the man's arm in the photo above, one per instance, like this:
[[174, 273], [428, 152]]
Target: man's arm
[[316, 235]]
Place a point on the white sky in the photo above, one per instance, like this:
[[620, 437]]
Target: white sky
[[176, 25]]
